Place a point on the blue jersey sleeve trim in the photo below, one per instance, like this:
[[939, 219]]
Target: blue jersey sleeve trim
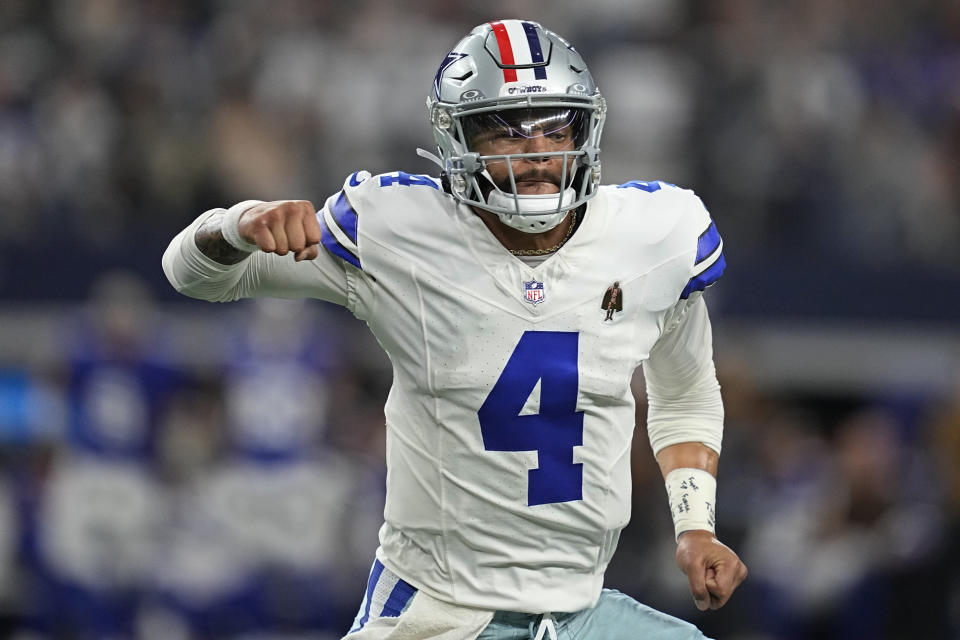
[[398, 599], [703, 280], [331, 244], [345, 216], [371, 585], [707, 243]]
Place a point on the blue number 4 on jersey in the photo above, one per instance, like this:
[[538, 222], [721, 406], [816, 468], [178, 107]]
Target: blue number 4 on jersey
[[549, 357]]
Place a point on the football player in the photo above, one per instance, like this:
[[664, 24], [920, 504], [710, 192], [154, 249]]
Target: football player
[[510, 418]]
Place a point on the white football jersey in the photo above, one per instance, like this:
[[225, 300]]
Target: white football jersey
[[510, 418]]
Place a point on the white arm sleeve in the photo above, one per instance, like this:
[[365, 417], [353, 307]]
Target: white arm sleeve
[[682, 388], [259, 275]]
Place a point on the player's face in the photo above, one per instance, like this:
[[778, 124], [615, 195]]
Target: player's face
[[543, 130]]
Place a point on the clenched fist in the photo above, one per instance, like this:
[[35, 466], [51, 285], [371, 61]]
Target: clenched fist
[[712, 567], [282, 226]]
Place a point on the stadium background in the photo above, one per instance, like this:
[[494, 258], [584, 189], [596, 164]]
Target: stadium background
[[174, 469]]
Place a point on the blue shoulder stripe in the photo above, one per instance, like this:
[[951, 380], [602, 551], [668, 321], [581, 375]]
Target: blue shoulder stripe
[[706, 278], [345, 216], [334, 246], [707, 243], [643, 185]]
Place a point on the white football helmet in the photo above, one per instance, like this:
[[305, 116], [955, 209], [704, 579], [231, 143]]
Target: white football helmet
[[516, 79]]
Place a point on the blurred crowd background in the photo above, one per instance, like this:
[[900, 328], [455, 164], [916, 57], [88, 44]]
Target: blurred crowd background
[[177, 470]]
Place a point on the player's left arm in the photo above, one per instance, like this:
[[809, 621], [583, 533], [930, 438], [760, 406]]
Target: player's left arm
[[713, 569], [685, 425]]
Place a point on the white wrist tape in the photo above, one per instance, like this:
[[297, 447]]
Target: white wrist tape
[[230, 227], [693, 496]]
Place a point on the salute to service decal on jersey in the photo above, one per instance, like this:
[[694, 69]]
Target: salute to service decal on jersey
[[612, 300]]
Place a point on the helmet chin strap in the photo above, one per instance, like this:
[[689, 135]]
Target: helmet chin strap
[[537, 211], [432, 157], [533, 204]]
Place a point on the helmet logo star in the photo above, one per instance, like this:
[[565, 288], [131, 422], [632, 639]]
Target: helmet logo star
[[451, 58]]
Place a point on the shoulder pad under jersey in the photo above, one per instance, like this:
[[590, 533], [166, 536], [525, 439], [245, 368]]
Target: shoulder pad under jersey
[[679, 218], [387, 192]]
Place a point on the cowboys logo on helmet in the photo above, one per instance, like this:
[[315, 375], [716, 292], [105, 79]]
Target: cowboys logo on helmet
[[524, 87]]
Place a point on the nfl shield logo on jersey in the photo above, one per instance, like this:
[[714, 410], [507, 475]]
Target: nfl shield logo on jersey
[[533, 292]]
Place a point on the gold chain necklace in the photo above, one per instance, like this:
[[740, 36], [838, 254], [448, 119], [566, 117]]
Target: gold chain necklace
[[540, 252]]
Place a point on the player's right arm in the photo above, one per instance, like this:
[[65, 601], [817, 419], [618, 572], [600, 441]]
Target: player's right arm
[[255, 249], [274, 227]]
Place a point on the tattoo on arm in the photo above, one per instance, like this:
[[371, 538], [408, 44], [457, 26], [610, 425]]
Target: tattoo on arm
[[210, 241]]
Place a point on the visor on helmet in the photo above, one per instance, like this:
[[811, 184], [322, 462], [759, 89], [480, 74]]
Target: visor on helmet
[[510, 130]]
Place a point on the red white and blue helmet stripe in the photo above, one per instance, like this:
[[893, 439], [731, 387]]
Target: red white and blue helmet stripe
[[520, 49]]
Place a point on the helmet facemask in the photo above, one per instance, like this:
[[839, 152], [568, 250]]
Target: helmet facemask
[[493, 150], [528, 158]]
